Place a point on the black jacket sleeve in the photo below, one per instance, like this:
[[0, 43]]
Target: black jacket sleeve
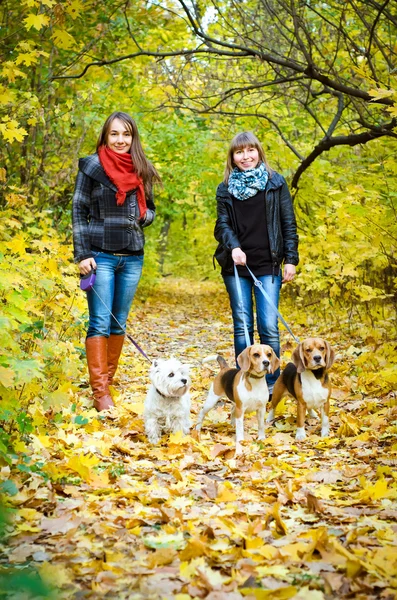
[[288, 227], [224, 227]]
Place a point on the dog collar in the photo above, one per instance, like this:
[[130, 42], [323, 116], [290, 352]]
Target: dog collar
[[256, 376], [164, 396]]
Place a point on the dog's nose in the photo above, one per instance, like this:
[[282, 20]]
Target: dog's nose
[[317, 358], [184, 381], [266, 363]]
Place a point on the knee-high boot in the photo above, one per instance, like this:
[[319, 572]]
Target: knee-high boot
[[115, 344], [96, 350]]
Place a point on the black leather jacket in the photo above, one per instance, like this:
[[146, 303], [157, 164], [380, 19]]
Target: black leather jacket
[[281, 225]]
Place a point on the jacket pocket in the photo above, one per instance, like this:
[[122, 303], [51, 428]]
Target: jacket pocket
[[223, 256]]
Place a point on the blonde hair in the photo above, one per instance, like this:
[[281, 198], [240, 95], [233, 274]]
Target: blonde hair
[[143, 166], [240, 141]]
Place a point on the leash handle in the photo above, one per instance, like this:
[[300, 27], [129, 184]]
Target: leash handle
[[269, 301], [240, 301], [123, 328]]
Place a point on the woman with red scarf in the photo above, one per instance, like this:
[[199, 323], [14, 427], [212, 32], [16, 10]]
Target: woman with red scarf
[[112, 203]]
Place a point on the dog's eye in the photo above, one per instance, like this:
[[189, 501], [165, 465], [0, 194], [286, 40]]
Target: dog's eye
[[322, 349], [171, 375], [256, 355], [269, 354]]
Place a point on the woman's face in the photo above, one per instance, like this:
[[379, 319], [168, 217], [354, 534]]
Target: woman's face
[[246, 158], [119, 137]]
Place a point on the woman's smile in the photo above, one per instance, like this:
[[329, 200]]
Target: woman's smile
[[246, 158], [120, 137]]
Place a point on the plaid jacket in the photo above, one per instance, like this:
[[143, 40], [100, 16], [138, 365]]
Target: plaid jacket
[[97, 220]]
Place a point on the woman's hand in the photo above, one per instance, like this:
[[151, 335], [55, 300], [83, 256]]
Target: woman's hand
[[289, 273], [87, 265], [239, 257]]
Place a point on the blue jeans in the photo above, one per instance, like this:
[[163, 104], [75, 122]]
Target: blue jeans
[[266, 317], [117, 278]]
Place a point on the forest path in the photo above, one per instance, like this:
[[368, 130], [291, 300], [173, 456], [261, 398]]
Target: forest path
[[107, 515]]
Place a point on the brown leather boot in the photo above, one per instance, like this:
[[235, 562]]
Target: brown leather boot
[[115, 344], [96, 349]]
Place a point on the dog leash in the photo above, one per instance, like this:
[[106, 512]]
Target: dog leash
[[240, 301], [267, 298], [137, 346]]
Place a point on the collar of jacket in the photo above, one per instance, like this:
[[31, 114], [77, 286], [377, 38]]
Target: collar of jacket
[[273, 183], [91, 166]]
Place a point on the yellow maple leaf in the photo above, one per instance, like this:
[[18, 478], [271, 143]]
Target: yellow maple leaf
[[11, 131], [74, 9], [27, 58], [83, 465], [6, 95], [226, 494], [177, 438], [7, 377], [10, 71], [36, 21], [63, 39], [379, 93], [17, 245], [376, 491]]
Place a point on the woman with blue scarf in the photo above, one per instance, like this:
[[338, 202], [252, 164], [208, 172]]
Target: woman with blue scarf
[[255, 226]]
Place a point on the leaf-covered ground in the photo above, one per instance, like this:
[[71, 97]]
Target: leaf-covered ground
[[102, 514]]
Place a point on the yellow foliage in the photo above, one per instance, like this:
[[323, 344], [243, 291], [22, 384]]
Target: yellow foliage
[[36, 21]]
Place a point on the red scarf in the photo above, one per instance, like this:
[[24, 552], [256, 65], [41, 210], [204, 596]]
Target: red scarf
[[121, 171]]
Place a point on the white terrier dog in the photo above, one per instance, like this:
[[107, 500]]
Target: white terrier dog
[[167, 404]]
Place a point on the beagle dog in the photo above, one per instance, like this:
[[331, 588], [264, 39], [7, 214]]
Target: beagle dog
[[306, 380], [246, 387]]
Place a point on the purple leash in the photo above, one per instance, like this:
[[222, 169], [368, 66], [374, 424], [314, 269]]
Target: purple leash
[[87, 284]]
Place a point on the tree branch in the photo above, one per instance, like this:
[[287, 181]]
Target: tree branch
[[342, 140]]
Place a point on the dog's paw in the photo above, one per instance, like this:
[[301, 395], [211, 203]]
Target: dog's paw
[[153, 439], [300, 434], [261, 436], [325, 432], [270, 417], [313, 414], [239, 451]]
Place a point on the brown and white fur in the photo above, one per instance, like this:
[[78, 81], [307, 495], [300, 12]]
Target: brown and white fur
[[306, 379], [247, 387]]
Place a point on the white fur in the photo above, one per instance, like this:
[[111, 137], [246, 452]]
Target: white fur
[[315, 396], [300, 434], [314, 393], [169, 410]]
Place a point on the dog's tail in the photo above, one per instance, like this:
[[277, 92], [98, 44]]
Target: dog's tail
[[221, 361]]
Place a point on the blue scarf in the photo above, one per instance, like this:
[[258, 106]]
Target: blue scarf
[[245, 184]]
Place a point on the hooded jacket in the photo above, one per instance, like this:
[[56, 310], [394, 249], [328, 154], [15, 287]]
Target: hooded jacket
[[281, 225], [98, 221]]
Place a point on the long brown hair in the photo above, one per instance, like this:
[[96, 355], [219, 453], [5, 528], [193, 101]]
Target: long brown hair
[[240, 141], [143, 166]]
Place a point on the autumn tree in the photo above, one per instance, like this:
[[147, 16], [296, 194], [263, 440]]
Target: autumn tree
[[324, 70]]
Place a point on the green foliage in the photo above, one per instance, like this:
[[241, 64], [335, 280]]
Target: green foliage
[[13, 580]]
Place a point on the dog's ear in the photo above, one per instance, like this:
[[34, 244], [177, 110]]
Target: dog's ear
[[298, 359], [330, 356], [275, 362], [244, 360]]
